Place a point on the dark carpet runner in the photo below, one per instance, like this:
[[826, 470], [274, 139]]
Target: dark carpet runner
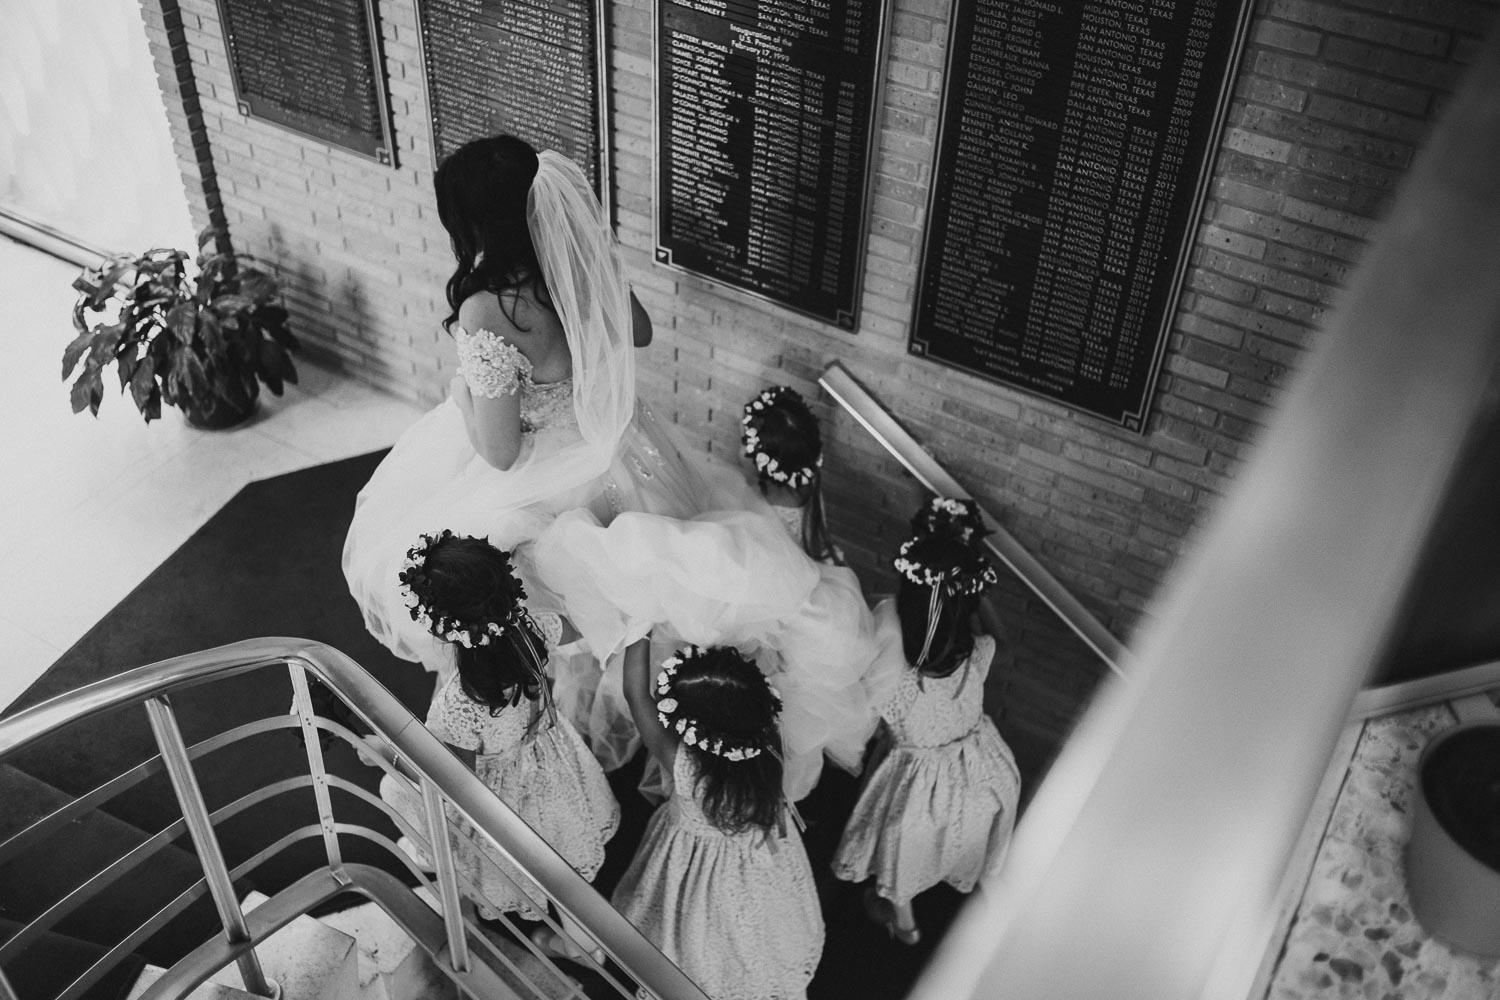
[[268, 564]]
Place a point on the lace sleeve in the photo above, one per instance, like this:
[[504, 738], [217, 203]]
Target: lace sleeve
[[551, 628], [490, 364], [455, 718]]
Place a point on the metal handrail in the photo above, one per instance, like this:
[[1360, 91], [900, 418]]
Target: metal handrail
[[883, 427], [380, 887], [421, 753]]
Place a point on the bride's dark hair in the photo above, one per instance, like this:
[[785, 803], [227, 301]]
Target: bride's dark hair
[[481, 192]]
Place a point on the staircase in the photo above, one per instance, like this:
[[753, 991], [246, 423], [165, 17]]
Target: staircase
[[355, 954], [138, 914]]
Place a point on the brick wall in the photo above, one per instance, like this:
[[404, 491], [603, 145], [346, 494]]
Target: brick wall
[[1332, 103]]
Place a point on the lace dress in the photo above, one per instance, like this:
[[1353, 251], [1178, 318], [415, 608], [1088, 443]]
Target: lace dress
[[941, 804], [738, 912], [541, 770]]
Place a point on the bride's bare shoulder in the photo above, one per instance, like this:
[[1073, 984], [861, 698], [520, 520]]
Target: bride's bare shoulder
[[514, 315], [483, 311]]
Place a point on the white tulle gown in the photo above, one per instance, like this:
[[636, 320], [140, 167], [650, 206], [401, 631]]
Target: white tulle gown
[[611, 525]]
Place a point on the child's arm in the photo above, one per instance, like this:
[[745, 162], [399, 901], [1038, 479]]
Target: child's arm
[[374, 747], [988, 615], [987, 622], [640, 323], [642, 701]]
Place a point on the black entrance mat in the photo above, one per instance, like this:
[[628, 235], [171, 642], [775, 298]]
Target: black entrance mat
[[266, 564]]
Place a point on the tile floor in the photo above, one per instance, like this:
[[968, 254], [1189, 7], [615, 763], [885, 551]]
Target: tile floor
[[89, 507]]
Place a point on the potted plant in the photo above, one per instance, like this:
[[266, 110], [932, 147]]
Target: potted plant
[[202, 342], [1453, 856]]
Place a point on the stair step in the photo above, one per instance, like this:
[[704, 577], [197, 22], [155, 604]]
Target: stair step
[[49, 964], [208, 991], [308, 958], [391, 966], [528, 965], [39, 877]]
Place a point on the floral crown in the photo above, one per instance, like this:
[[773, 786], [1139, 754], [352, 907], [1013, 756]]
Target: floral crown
[[766, 464], [943, 551], [944, 515], [503, 610], [695, 733]]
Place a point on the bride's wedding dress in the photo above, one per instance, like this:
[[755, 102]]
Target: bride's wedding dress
[[611, 525]]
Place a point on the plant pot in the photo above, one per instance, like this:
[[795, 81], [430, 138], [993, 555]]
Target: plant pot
[[1453, 857], [218, 414]]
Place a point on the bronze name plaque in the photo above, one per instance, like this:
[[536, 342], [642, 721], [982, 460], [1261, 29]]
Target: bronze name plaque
[[313, 67], [764, 119], [530, 68], [1074, 154]]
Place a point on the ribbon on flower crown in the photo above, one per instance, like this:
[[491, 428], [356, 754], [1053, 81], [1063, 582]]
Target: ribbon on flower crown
[[544, 703], [934, 607]]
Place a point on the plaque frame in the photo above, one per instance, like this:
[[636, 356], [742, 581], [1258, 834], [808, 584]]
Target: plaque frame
[[1134, 420], [385, 153], [602, 104], [662, 256]]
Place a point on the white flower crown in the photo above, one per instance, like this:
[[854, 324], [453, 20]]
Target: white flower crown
[[691, 730], [750, 438], [955, 580], [466, 634]]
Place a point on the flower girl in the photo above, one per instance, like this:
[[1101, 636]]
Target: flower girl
[[721, 882], [940, 803], [780, 436], [495, 712]]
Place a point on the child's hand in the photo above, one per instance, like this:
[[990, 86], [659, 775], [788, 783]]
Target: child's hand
[[373, 751]]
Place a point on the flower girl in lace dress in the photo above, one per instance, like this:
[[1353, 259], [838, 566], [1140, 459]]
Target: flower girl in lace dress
[[780, 436], [721, 882], [495, 712], [939, 798]]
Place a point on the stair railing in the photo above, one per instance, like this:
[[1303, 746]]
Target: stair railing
[[883, 427], [449, 791]]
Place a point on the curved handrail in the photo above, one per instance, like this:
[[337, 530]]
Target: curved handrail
[[1002, 544], [422, 752]]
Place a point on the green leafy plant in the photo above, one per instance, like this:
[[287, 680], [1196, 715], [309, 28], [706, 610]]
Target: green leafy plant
[[203, 342]]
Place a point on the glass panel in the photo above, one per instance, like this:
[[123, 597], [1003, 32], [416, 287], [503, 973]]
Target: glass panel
[[84, 143]]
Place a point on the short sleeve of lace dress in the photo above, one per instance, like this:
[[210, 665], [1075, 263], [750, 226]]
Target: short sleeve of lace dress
[[491, 365], [455, 718], [550, 625]]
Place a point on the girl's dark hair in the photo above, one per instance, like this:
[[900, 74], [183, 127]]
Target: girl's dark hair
[[953, 640], [788, 432], [728, 697], [467, 578], [481, 192]]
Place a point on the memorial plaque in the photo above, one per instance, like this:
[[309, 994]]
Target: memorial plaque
[[529, 68], [764, 119], [1073, 157], [313, 67]]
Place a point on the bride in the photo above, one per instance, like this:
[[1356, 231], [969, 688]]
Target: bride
[[543, 445]]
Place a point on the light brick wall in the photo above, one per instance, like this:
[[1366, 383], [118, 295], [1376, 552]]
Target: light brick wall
[[1332, 103]]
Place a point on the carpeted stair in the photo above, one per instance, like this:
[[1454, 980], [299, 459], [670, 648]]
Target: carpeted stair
[[54, 961], [57, 864]]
